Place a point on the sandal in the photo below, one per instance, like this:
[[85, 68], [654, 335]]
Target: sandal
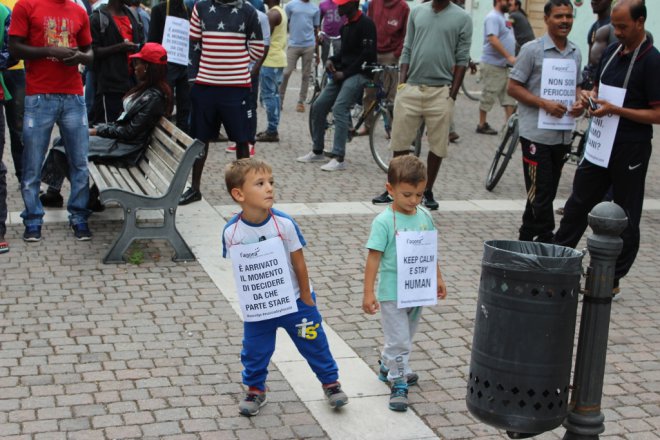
[[4, 247]]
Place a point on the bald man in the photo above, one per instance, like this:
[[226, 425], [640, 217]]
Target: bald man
[[625, 169]]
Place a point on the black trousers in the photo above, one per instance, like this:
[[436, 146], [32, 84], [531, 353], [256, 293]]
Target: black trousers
[[542, 166], [177, 78], [107, 107], [626, 174], [14, 109]]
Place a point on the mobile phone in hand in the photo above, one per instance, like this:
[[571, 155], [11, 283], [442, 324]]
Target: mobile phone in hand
[[592, 105]]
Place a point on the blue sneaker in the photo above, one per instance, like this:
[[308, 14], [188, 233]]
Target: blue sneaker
[[82, 232], [32, 233], [411, 379], [399, 396]]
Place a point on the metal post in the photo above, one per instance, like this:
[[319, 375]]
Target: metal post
[[585, 420]]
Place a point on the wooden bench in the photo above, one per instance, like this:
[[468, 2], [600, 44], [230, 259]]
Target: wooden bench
[[155, 183]]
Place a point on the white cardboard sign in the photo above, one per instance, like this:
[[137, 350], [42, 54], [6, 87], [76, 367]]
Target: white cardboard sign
[[416, 268], [602, 131], [176, 39], [558, 83], [263, 281]]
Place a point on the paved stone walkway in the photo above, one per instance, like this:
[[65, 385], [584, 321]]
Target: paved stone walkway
[[151, 351]]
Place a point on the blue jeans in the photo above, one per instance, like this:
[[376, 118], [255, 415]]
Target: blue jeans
[[271, 78], [70, 114], [338, 97]]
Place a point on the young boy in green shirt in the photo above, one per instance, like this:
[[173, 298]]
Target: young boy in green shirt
[[406, 180]]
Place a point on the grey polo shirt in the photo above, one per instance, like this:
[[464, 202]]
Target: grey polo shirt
[[527, 71]]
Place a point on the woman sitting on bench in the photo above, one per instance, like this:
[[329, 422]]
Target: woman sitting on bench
[[123, 141]]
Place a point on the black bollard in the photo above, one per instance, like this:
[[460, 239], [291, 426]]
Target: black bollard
[[585, 421]]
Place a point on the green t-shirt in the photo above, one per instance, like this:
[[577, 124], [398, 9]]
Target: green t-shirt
[[382, 239], [436, 42], [4, 13]]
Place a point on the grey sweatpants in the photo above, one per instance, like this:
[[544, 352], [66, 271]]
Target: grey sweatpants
[[399, 327]]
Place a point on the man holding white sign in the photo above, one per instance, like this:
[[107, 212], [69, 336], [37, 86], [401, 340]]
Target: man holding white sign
[[170, 26], [626, 104], [544, 82]]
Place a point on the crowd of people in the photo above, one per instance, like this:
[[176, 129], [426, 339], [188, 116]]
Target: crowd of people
[[106, 71]]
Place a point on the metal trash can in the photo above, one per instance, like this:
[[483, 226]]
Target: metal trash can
[[523, 336]]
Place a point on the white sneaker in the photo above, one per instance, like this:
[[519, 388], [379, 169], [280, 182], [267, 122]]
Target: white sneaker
[[311, 157], [334, 165]]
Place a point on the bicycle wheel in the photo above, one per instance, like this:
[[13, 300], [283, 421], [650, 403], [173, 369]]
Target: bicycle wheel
[[417, 143], [470, 86], [318, 87], [379, 138], [503, 153]]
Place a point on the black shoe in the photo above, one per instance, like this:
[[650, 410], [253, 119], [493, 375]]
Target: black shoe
[[267, 136], [32, 233], [190, 196], [429, 201], [94, 203], [383, 199], [486, 129], [81, 231], [51, 199]]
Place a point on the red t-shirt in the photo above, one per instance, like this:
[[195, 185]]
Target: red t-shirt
[[124, 25], [126, 31], [51, 23]]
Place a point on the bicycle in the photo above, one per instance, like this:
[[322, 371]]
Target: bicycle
[[317, 84], [509, 140], [356, 109], [381, 110], [470, 85]]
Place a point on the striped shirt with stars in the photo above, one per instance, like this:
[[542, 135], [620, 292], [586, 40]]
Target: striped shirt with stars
[[224, 38]]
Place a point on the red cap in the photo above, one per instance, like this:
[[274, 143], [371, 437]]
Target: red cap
[[342, 2], [152, 53]]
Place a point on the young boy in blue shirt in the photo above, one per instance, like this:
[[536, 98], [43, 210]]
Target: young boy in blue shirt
[[250, 184], [406, 181]]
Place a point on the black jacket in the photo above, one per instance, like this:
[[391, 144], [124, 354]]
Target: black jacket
[[358, 47], [132, 130], [112, 71]]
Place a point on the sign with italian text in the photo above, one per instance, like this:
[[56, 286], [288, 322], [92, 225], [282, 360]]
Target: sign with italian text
[[176, 40], [263, 281], [602, 131], [558, 84]]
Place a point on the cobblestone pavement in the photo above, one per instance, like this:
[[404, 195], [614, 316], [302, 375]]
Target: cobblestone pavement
[[151, 351]]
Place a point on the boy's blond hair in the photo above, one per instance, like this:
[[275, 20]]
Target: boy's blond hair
[[236, 171], [406, 169]]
